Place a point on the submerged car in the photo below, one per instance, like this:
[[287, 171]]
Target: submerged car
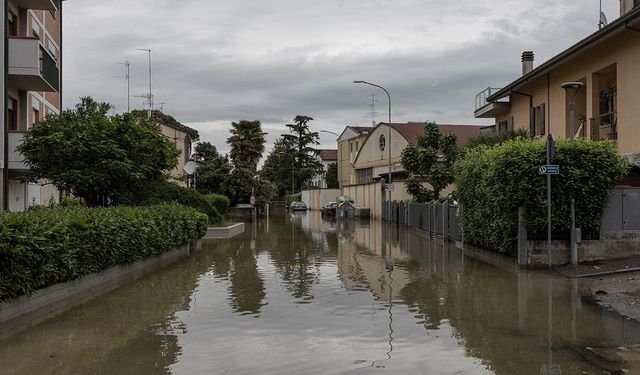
[[298, 206], [329, 209]]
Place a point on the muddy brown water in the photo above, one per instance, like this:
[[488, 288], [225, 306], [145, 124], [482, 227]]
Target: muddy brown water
[[300, 295]]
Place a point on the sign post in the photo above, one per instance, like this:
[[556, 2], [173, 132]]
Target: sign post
[[549, 170]]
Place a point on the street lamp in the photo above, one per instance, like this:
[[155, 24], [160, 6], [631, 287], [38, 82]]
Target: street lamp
[[330, 132], [388, 141], [572, 89]]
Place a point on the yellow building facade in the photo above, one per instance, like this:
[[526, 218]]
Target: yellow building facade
[[607, 63]]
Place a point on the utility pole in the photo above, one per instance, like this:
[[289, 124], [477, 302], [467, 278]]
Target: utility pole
[[127, 76], [149, 95]]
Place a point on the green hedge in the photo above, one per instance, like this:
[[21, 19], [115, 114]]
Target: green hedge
[[167, 192], [45, 246], [493, 182], [220, 202]]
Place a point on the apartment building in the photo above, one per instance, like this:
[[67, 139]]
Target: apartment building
[[349, 143], [31, 89], [606, 62], [326, 157]]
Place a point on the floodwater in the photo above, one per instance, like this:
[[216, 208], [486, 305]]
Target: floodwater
[[299, 295]]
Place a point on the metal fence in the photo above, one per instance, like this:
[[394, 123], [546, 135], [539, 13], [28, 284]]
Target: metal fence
[[436, 218], [623, 211]]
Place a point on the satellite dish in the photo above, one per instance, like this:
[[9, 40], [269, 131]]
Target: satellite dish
[[603, 20], [190, 167]]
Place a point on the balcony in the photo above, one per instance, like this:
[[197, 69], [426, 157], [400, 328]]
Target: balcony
[[16, 161], [50, 5], [31, 67], [605, 127], [492, 109]]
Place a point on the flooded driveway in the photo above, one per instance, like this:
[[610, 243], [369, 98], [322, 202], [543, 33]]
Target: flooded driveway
[[299, 295]]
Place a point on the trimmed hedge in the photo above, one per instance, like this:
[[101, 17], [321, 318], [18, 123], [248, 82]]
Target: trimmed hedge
[[493, 182], [48, 245], [166, 192], [220, 202]]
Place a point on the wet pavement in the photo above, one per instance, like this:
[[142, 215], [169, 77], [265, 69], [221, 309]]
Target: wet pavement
[[299, 295]]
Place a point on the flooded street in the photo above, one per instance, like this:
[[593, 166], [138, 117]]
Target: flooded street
[[299, 295]]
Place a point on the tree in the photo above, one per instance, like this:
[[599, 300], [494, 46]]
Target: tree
[[241, 182], [431, 161], [277, 167], [332, 176], [302, 141], [205, 151], [94, 156], [247, 143]]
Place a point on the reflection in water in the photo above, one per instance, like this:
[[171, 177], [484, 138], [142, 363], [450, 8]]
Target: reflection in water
[[298, 294]]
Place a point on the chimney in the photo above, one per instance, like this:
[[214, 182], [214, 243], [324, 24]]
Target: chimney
[[527, 62], [626, 6]]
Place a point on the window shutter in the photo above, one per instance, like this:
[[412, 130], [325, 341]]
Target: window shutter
[[543, 118], [510, 124], [532, 121]]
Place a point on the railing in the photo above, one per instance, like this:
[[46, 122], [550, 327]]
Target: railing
[[50, 71], [604, 127], [481, 98]]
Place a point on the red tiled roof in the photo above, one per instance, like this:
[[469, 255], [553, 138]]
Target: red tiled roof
[[411, 130], [328, 155], [361, 129]]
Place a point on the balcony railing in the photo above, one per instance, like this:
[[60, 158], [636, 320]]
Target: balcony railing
[[50, 5], [16, 160], [481, 97], [605, 127], [31, 67]]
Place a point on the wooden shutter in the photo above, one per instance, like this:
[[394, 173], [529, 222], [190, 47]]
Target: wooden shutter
[[543, 118], [510, 124], [532, 121]]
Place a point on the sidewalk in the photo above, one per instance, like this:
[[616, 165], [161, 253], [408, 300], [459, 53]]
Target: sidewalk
[[614, 283]]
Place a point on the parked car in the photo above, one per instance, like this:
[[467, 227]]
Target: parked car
[[298, 206], [329, 209]]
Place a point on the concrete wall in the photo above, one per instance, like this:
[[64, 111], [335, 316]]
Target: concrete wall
[[180, 140], [347, 151], [316, 199], [370, 154], [46, 303]]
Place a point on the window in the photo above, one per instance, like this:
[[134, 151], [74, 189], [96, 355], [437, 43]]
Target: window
[[502, 125], [12, 114], [36, 115], [364, 176], [383, 142], [537, 121], [12, 24], [357, 146]]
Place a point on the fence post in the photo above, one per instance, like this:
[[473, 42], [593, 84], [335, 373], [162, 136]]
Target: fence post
[[523, 260], [445, 216]]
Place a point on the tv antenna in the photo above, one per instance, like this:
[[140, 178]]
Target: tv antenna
[[148, 96], [603, 22], [127, 76], [162, 106]]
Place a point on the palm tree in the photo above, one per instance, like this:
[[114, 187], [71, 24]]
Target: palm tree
[[247, 143]]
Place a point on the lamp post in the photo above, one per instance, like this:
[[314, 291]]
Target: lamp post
[[572, 89], [330, 132], [388, 143]]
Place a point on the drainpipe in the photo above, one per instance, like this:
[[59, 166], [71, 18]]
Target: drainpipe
[[5, 130]]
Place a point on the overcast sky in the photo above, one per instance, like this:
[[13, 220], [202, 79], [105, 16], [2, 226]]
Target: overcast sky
[[220, 61]]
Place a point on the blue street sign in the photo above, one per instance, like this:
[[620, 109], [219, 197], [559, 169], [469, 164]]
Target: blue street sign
[[549, 169]]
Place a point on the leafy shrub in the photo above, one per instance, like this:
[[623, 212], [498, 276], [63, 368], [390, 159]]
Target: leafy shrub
[[220, 202], [166, 192], [497, 138], [493, 182], [293, 198], [72, 202], [46, 246]]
